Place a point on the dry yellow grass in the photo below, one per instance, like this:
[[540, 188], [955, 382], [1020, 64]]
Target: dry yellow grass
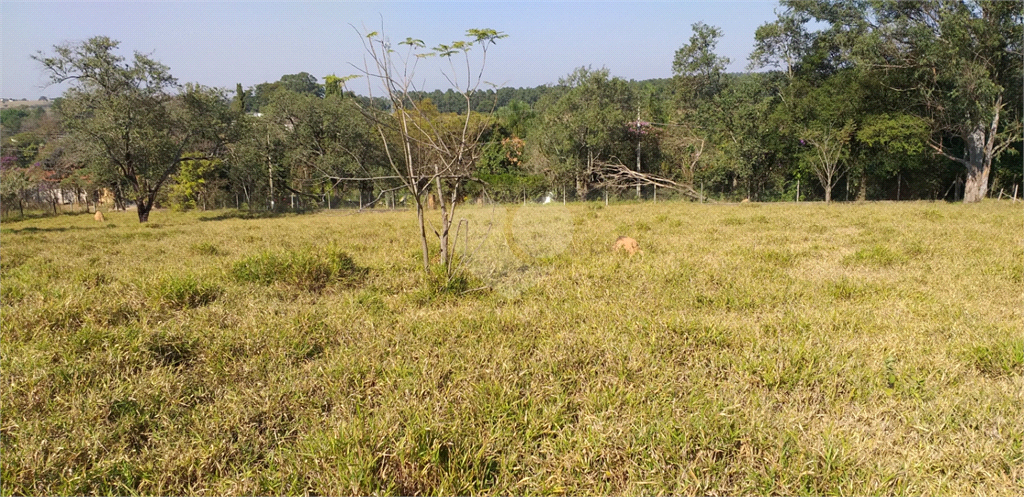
[[751, 349]]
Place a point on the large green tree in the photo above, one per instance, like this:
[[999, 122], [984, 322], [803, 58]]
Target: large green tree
[[583, 124], [326, 141], [134, 117], [959, 63]]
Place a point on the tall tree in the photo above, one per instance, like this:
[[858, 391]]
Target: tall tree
[[302, 82], [960, 62], [327, 140], [584, 123], [698, 65], [134, 115], [697, 80], [781, 43], [238, 104]]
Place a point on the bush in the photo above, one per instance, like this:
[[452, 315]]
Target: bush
[[309, 269]]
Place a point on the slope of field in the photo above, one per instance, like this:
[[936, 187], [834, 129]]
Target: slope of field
[[10, 104], [750, 349]]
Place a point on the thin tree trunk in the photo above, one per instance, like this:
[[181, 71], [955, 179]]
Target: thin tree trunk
[[862, 191], [828, 189], [423, 232], [445, 226]]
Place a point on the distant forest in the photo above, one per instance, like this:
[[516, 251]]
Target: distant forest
[[887, 101]]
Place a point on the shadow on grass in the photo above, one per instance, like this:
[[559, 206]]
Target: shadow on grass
[[8, 217], [254, 215], [33, 229]]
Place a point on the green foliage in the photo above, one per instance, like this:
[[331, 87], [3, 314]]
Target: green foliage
[[196, 182], [238, 105], [582, 123], [696, 62], [302, 82], [11, 119], [333, 85], [132, 120], [782, 43], [510, 187]]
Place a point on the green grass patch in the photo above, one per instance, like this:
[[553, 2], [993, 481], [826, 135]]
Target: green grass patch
[[1001, 358], [206, 248], [876, 255], [309, 268], [185, 292]]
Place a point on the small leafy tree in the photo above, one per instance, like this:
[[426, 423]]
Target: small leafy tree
[[424, 150], [829, 150]]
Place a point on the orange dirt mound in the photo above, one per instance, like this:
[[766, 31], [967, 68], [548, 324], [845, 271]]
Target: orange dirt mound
[[98, 216], [628, 244]]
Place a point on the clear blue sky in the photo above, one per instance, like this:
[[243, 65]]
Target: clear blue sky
[[223, 43]]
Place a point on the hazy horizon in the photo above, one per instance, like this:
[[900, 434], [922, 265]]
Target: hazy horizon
[[223, 43]]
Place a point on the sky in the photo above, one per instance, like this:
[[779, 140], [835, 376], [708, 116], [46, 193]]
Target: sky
[[223, 43]]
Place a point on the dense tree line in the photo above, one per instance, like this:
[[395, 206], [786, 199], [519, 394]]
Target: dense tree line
[[844, 100]]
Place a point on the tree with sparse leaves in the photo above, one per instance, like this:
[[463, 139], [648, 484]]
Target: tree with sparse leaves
[[427, 152]]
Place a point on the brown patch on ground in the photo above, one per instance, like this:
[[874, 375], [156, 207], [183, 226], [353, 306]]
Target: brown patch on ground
[[98, 216], [628, 244]]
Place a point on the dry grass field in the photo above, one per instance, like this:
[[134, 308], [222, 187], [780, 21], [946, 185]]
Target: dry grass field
[[865, 349]]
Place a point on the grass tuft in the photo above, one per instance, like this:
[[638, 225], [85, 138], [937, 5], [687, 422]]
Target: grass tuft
[[206, 248], [309, 269], [876, 255], [186, 292], [1001, 358]]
